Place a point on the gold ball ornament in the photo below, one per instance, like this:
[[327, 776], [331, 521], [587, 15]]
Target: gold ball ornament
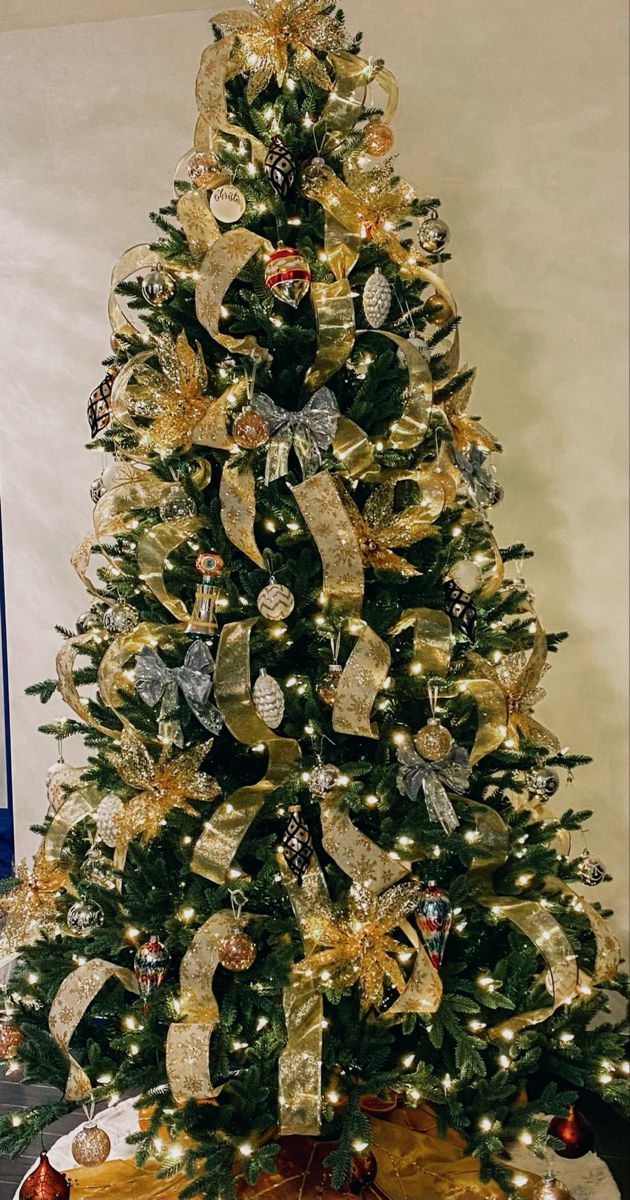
[[91, 1146], [275, 601], [158, 287], [11, 1037], [551, 1188], [433, 741], [237, 951], [437, 310], [203, 169], [250, 429], [327, 688], [378, 138]]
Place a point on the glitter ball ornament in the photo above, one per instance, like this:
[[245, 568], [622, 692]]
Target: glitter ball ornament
[[327, 687], [120, 618], [45, 1183], [550, 1188], [543, 782], [322, 779], [99, 408], [433, 235], [467, 575], [92, 619], [227, 203], [433, 741], [435, 917], [437, 310], [97, 489], [362, 1172], [297, 843], [237, 951], [268, 699], [158, 287], [574, 1132], [250, 429], [378, 138], [11, 1037], [150, 965], [460, 608], [96, 868], [287, 275], [209, 563], [591, 870], [91, 1145], [202, 169], [107, 818], [83, 916], [177, 505], [280, 167], [377, 298], [275, 601]]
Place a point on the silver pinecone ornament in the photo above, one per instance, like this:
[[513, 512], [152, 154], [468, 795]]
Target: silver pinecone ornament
[[268, 699], [377, 298], [107, 818]]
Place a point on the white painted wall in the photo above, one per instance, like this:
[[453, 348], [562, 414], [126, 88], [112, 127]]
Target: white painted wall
[[512, 112]]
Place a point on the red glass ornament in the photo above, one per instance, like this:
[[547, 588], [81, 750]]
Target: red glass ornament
[[44, 1183], [363, 1172], [575, 1132]]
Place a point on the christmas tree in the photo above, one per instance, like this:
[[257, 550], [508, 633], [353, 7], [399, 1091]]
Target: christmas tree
[[306, 883]]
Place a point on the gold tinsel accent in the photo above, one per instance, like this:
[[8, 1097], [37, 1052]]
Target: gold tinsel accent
[[355, 945], [265, 34], [173, 398], [30, 909], [163, 785]]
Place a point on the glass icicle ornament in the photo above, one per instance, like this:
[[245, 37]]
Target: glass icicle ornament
[[158, 287], [150, 965], [268, 699], [377, 299], [435, 917], [279, 167], [297, 843], [91, 1145]]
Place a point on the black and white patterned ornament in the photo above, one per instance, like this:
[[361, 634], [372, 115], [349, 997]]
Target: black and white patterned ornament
[[268, 699], [99, 408], [460, 608], [591, 870], [280, 167], [377, 299], [297, 843], [83, 916]]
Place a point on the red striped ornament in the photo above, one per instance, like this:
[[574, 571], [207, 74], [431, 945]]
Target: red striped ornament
[[288, 275]]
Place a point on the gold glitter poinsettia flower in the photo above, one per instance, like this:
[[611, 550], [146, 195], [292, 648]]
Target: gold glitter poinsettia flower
[[172, 398], [163, 785], [355, 945], [30, 908], [466, 430], [265, 34]]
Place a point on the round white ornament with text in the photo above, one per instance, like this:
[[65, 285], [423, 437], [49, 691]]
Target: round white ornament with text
[[227, 203]]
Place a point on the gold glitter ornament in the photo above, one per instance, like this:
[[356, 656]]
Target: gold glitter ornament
[[378, 138], [437, 310], [551, 1188], [275, 601], [433, 741], [237, 951], [203, 169], [11, 1037], [327, 687], [91, 1146], [250, 429]]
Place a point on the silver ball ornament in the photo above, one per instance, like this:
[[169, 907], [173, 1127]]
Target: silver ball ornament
[[120, 618], [158, 287], [177, 506], [82, 917], [591, 870], [322, 779], [433, 235], [543, 782]]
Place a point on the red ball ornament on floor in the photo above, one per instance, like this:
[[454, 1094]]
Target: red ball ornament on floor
[[363, 1172], [575, 1132], [45, 1183]]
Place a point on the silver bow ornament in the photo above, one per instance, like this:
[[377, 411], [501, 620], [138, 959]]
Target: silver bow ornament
[[308, 432], [156, 682], [417, 775]]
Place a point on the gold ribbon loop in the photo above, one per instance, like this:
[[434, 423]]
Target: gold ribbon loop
[[423, 993], [432, 638], [223, 833], [334, 315], [491, 716], [409, 429], [362, 678], [153, 550], [79, 804], [67, 688], [134, 260], [221, 266], [333, 533], [356, 854], [73, 998], [212, 428], [198, 224], [237, 493], [211, 100]]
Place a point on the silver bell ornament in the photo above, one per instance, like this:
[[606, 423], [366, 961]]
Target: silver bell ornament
[[377, 299], [543, 782], [120, 618], [107, 818], [268, 699], [83, 916], [158, 286], [433, 235]]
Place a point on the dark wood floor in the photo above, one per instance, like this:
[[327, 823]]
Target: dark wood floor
[[611, 1134]]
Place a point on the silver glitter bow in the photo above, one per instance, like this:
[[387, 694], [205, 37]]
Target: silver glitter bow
[[308, 432], [156, 682], [417, 775], [483, 489]]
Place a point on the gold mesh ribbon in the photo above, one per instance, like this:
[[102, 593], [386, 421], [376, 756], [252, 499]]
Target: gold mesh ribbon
[[334, 535], [73, 998], [607, 945], [187, 1042], [222, 264], [134, 260], [153, 550], [66, 686], [78, 804], [362, 678], [223, 833], [432, 638], [334, 315], [237, 493]]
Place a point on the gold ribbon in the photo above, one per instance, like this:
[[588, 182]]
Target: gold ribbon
[[409, 429], [333, 533], [131, 262], [212, 429], [71, 1002], [154, 548], [334, 316], [188, 1041], [222, 264], [432, 638], [120, 408], [362, 678], [80, 803], [352, 75], [518, 677], [211, 99], [198, 223], [223, 833], [66, 686], [352, 448], [237, 493], [423, 993], [491, 716], [355, 853]]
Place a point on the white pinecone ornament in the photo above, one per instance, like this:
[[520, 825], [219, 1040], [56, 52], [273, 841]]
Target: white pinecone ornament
[[275, 601], [377, 298], [107, 817], [268, 700]]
